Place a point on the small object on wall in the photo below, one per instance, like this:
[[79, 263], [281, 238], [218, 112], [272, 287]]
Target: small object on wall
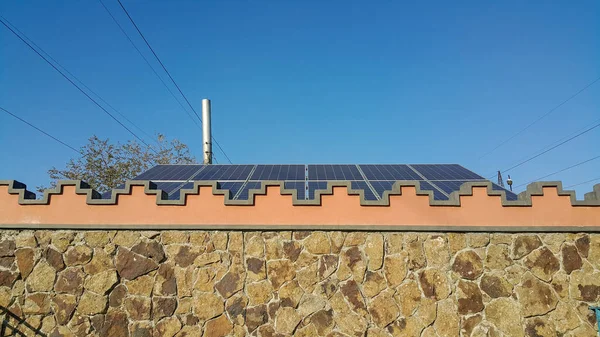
[[597, 311]]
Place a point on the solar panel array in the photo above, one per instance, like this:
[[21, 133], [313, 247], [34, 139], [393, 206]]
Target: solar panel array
[[374, 180]]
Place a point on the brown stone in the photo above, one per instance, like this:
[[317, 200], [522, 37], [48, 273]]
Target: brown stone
[[8, 278], [408, 297], [327, 265], [495, 286], [255, 246], [78, 255], [564, 318], [279, 272], [477, 240], [91, 304], [7, 248], [594, 251], [409, 326], [542, 263], [447, 323], [41, 278], [25, 239], [352, 293], [55, 259], [383, 309], [64, 306], [97, 239], [189, 331], [256, 269], [62, 239], [259, 292], [337, 241], [138, 307], [100, 262], [571, 259], [25, 261], [539, 327], [469, 324], [292, 250], [167, 327], [231, 283], [310, 304], [505, 314], [150, 249], [218, 327], [374, 250], [163, 307], [101, 283], [219, 240], [469, 298], [273, 249], [352, 264], [355, 239], [131, 265], [70, 281], [468, 265], [583, 245], [255, 317], [36, 304], [317, 243], [525, 244], [142, 286], [208, 305], [374, 284], [416, 255], [434, 284], [585, 286], [185, 256], [207, 258], [115, 324], [7, 261], [141, 329], [436, 252], [322, 321], [236, 308], [126, 238], [395, 268], [497, 257], [185, 281], [166, 282], [536, 298], [286, 320], [290, 294], [117, 295], [393, 243]]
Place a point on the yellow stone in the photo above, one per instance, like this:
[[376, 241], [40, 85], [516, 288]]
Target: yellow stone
[[141, 286]]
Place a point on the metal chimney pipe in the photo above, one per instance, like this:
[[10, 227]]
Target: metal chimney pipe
[[206, 132]]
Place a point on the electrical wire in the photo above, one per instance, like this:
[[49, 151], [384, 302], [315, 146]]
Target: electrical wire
[[78, 87], [148, 63], [171, 77], [40, 130], [585, 182], [541, 117], [78, 80], [552, 148], [562, 170]]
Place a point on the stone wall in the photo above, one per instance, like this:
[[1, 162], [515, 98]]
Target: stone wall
[[200, 283]]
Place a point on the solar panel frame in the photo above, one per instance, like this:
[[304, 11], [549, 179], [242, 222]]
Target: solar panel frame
[[334, 172], [445, 172], [389, 172], [278, 172]]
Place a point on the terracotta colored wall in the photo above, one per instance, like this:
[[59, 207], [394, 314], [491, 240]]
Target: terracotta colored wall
[[220, 283]]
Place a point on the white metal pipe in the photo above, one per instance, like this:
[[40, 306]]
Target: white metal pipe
[[206, 132]]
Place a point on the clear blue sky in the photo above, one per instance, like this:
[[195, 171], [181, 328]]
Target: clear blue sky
[[313, 82]]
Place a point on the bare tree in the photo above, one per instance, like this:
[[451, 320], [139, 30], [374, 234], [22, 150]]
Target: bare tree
[[104, 165]]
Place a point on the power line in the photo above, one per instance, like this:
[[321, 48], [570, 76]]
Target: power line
[[552, 148], [40, 130], [562, 170], [148, 63], [585, 182], [541, 117], [169, 74], [78, 80], [76, 86]]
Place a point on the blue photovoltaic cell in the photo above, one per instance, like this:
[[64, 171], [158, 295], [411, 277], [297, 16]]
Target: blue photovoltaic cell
[[299, 186], [446, 172], [509, 195], [224, 172], [278, 172], [437, 195], [449, 186], [333, 172], [389, 172], [244, 194], [169, 172], [315, 185], [362, 185], [381, 186], [233, 187]]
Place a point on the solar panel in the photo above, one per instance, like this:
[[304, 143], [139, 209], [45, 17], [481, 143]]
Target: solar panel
[[278, 172], [437, 195], [314, 186], [446, 172], [245, 192], [169, 172], [362, 185], [224, 172], [299, 186], [333, 172], [509, 195], [389, 172], [233, 187]]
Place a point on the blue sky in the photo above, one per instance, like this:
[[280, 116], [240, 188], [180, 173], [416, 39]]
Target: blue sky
[[313, 82]]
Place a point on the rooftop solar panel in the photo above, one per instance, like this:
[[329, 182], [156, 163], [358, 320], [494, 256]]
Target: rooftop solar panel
[[315, 186], [446, 172], [437, 195], [389, 172], [169, 172], [362, 185], [333, 172], [224, 172], [299, 186], [278, 172]]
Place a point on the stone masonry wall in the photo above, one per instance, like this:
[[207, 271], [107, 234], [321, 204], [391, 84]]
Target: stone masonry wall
[[219, 283]]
